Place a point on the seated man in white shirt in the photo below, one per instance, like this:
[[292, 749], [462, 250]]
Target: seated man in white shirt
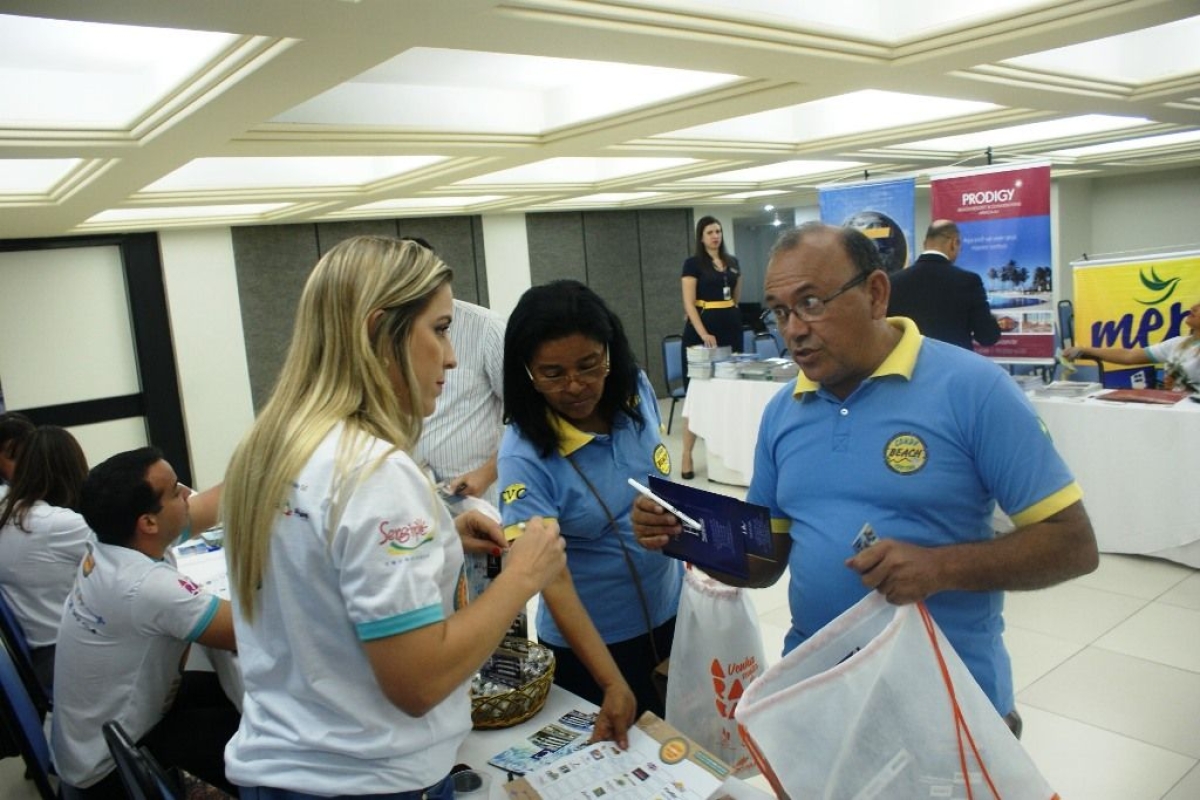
[[125, 633]]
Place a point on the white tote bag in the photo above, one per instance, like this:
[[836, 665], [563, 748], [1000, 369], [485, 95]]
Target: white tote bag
[[716, 653], [877, 704]]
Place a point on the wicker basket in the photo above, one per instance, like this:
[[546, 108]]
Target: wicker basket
[[515, 705]]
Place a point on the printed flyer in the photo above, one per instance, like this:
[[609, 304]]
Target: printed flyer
[[660, 764]]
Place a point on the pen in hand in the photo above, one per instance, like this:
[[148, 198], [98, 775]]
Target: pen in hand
[[684, 518]]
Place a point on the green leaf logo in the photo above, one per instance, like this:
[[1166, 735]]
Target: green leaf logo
[[1157, 284]]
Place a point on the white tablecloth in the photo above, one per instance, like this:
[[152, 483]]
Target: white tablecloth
[[726, 413], [1137, 465], [1136, 462]]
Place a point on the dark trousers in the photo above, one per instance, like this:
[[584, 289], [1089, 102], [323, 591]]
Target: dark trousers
[[191, 736], [635, 659], [442, 790]]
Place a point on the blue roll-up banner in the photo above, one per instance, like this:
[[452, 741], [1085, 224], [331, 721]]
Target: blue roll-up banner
[[883, 210]]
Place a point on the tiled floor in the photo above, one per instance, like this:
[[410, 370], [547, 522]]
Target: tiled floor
[[1107, 670]]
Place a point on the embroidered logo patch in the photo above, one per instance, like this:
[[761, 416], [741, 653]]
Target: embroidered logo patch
[[905, 454], [662, 459], [403, 539], [512, 493]]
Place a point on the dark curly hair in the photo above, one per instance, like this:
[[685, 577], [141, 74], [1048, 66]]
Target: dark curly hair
[[554, 311]]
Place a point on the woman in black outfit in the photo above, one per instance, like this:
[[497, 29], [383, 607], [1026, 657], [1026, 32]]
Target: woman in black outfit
[[711, 285]]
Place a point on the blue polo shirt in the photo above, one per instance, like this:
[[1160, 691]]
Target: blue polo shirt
[[923, 450], [550, 487]]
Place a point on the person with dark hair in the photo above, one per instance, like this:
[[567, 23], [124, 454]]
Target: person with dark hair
[[915, 437], [14, 427], [712, 284], [946, 302], [125, 631], [43, 538], [583, 420]]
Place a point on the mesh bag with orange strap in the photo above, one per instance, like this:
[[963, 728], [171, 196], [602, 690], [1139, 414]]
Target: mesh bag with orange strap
[[877, 704]]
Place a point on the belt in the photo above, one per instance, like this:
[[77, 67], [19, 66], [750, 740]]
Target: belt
[[704, 305]]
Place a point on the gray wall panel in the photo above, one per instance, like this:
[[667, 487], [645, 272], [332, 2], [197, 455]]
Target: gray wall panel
[[330, 233], [666, 240], [273, 262], [481, 284], [454, 240], [610, 240], [556, 247]]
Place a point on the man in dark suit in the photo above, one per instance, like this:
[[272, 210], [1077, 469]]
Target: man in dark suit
[[946, 302]]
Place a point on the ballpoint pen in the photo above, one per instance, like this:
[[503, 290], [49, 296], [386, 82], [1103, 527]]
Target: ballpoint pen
[[684, 518]]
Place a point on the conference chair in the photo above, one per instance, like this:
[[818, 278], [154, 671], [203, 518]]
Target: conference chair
[[672, 352], [747, 339], [143, 777], [14, 636], [766, 346], [24, 724], [772, 328], [1090, 370]]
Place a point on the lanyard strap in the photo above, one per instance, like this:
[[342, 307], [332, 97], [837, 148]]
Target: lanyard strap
[[637, 582]]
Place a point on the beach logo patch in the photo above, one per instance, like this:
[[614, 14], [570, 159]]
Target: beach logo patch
[[905, 454]]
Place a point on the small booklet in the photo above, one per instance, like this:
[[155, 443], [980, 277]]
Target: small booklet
[[568, 734], [661, 764], [730, 529]]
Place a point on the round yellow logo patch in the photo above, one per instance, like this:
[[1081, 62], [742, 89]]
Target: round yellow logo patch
[[673, 750], [905, 454], [662, 459]]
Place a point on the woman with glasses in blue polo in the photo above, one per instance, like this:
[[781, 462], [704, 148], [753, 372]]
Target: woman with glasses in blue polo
[[583, 420]]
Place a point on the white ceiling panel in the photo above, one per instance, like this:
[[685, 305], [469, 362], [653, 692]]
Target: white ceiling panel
[[139, 116]]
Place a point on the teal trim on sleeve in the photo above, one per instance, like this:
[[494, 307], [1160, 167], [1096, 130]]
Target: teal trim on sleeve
[[401, 623], [202, 625]]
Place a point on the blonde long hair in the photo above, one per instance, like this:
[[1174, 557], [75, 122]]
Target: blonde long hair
[[335, 372]]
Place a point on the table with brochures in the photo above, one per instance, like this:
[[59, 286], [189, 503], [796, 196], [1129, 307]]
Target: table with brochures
[[1138, 465]]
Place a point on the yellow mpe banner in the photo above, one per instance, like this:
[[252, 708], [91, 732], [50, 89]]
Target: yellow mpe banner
[[1134, 303]]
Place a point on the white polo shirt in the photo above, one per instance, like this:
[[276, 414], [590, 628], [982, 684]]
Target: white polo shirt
[[314, 718], [122, 644], [37, 567]]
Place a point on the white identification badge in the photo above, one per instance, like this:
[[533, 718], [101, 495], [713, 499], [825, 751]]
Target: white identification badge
[[726, 292]]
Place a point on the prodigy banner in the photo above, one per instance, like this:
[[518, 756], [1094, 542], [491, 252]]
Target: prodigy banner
[[1004, 217]]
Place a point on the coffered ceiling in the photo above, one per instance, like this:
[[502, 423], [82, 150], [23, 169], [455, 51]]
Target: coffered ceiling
[[148, 114]]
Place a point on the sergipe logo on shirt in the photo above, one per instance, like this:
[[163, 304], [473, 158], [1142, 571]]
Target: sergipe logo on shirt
[[403, 539]]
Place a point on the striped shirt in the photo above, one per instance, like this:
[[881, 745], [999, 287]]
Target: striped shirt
[[464, 431]]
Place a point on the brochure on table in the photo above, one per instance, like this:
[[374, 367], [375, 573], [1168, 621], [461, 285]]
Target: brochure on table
[[660, 764], [730, 529], [547, 744]]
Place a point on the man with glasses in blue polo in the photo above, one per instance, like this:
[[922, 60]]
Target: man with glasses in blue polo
[[918, 438]]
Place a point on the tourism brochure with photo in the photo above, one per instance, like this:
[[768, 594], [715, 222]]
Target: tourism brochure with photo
[[729, 529], [660, 764], [547, 744]]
